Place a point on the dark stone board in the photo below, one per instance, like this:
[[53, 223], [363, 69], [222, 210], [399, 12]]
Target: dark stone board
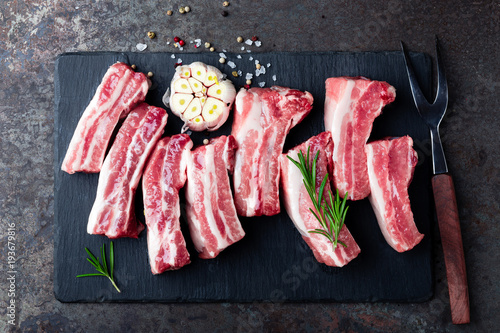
[[272, 262]]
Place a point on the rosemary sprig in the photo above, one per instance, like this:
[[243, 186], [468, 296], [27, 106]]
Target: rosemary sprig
[[103, 268], [329, 211]]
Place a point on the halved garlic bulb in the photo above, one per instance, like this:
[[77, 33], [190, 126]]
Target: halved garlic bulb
[[201, 96]]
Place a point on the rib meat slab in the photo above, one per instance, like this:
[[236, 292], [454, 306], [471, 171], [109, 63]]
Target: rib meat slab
[[390, 168], [120, 91], [351, 106], [211, 214], [297, 202], [262, 119], [113, 212], [164, 176]]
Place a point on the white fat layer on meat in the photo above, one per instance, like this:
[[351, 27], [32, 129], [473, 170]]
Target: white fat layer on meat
[[338, 113], [251, 122], [294, 187], [376, 196], [210, 190]]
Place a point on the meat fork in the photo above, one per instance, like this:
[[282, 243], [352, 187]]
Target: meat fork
[[444, 192]]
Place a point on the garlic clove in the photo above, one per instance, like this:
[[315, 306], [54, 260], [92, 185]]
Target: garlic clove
[[224, 91], [198, 71], [194, 109], [179, 102], [182, 86]]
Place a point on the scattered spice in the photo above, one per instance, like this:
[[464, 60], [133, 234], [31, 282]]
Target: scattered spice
[[255, 38], [235, 73], [187, 9], [248, 82], [239, 39], [182, 10], [169, 12], [207, 45], [246, 86], [257, 66], [151, 34], [225, 3], [224, 13], [176, 39], [222, 60], [212, 49], [182, 43], [205, 141], [177, 64], [150, 74], [134, 67]]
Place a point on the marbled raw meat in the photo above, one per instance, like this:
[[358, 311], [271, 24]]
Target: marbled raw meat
[[351, 106], [164, 176], [391, 164], [262, 119], [211, 214], [113, 212], [297, 202], [120, 91]]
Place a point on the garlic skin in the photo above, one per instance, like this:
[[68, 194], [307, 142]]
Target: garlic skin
[[201, 96]]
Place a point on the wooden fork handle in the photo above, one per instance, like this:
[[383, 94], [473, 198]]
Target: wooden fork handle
[[451, 238]]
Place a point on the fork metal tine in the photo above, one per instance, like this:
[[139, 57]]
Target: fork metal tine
[[419, 98], [442, 89]]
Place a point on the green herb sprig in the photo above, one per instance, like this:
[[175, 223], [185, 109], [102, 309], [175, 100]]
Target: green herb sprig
[[103, 268], [330, 211]]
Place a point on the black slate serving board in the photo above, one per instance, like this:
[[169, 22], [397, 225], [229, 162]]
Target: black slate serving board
[[272, 262]]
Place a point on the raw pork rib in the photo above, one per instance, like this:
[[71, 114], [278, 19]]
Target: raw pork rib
[[390, 168], [262, 119], [164, 176], [351, 106], [113, 212], [120, 91], [211, 214], [297, 202]]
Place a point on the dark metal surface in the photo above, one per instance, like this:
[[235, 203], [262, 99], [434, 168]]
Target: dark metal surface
[[433, 113], [32, 33]]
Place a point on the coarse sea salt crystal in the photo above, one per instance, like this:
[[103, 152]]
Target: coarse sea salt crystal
[[249, 76], [256, 61], [224, 50], [238, 56], [249, 51], [240, 72], [274, 77], [258, 43], [261, 70], [141, 47], [242, 48], [251, 58], [268, 65], [222, 55], [262, 84], [172, 56], [179, 61], [168, 43], [231, 64], [249, 42]]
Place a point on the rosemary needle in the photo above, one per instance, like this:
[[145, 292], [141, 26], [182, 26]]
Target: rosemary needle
[[103, 268], [328, 210]]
